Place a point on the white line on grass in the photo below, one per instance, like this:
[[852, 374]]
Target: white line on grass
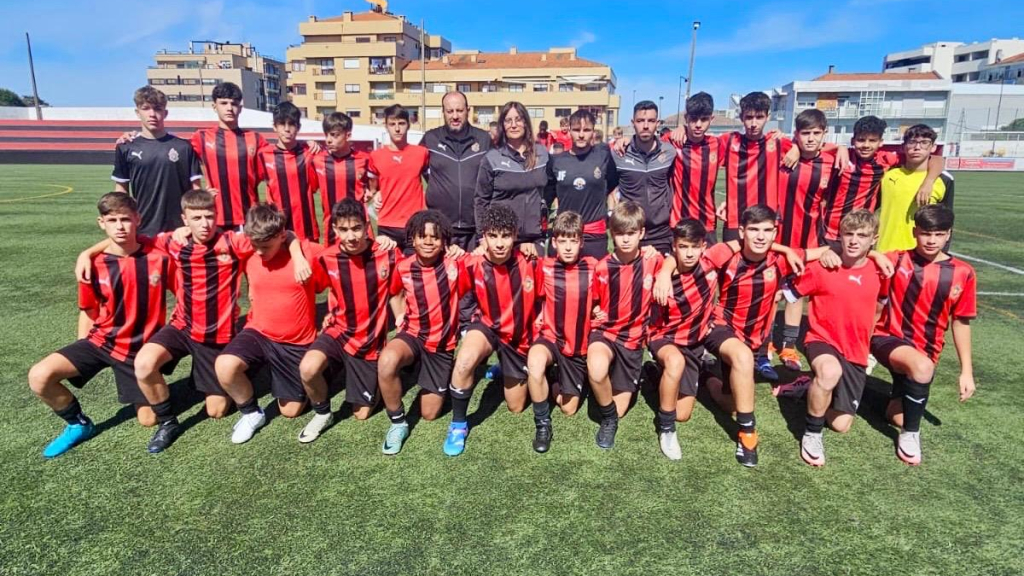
[[990, 263], [1015, 294]]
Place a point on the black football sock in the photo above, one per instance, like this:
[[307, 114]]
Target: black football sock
[[790, 336], [746, 421], [608, 412], [541, 413], [666, 420], [915, 398], [322, 408], [815, 424], [164, 412], [460, 404], [398, 416], [73, 413], [250, 406]]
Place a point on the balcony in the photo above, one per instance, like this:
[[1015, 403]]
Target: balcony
[[321, 71], [325, 96], [853, 113], [388, 95], [382, 70]]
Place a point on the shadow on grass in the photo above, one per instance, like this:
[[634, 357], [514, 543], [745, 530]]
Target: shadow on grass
[[491, 397]]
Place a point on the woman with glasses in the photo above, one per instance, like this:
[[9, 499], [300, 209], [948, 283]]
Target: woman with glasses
[[515, 173]]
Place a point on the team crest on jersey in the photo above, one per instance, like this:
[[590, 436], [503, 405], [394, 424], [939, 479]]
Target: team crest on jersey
[[383, 272], [579, 183], [648, 282], [824, 182], [711, 276], [956, 291], [662, 157], [453, 270], [224, 257], [713, 158], [172, 155], [560, 176], [528, 284], [252, 150], [770, 146], [154, 279], [597, 172], [769, 274], [475, 147]]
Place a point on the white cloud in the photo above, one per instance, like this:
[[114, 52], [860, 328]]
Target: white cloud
[[583, 38]]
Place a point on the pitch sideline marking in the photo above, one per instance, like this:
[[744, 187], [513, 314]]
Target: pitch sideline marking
[[1016, 294], [986, 236], [1017, 271], [67, 190], [1001, 312]]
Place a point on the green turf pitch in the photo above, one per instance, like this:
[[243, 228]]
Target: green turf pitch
[[338, 506]]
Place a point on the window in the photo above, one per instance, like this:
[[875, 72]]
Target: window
[[438, 89], [211, 81], [299, 89], [327, 63], [299, 66], [363, 39], [540, 87], [190, 81], [516, 87], [390, 39], [173, 98], [382, 65], [979, 55], [563, 112], [354, 113], [489, 87], [963, 57], [536, 112], [351, 88], [414, 87], [433, 113], [156, 81], [207, 98], [485, 114], [351, 63], [565, 87], [464, 87], [591, 87], [224, 64]]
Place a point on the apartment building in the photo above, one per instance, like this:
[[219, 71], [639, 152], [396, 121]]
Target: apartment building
[[361, 63], [188, 77], [954, 61]]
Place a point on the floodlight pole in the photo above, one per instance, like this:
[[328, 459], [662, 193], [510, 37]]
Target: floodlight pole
[[32, 69], [693, 52], [679, 102], [999, 104]]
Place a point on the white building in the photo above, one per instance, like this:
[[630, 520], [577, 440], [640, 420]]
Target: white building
[[955, 61], [901, 99], [1007, 71]]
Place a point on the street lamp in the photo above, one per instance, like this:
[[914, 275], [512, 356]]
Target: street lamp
[[679, 101], [660, 98], [693, 51]]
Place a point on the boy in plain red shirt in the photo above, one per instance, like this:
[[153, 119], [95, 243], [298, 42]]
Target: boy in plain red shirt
[[398, 169]]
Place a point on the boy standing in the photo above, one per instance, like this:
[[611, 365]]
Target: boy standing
[[359, 275], [929, 291], [125, 304], [281, 324], [696, 167], [155, 167], [841, 317], [288, 169], [230, 159], [341, 171], [564, 283], [398, 168]]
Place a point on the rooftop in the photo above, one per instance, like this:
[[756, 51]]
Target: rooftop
[[487, 60], [1012, 59], [854, 76]]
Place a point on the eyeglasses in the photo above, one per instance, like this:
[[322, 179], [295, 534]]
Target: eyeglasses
[[918, 144], [513, 120]]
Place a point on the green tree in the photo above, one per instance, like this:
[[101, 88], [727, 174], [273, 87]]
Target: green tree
[[8, 98], [1015, 126]]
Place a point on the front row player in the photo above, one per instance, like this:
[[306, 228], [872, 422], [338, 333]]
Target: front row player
[[123, 306], [842, 313], [929, 291]]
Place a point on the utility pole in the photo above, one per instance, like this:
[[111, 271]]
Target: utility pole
[[693, 51], [679, 102], [423, 78], [999, 104], [32, 69]]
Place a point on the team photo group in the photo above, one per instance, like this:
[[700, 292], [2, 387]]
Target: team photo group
[[589, 267]]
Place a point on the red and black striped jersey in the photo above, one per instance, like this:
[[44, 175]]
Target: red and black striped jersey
[[209, 281], [359, 294], [746, 299], [568, 302], [291, 182], [693, 181], [129, 297], [506, 298], [232, 166], [802, 190], [624, 294], [858, 187], [432, 296], [338, 178], [686, 319], [751, 173], [924, 297]]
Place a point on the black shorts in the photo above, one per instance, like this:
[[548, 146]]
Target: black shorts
[[257, 351], [204, 357], [570, 371], [691, 370], [359, 374], [398, 235], [624, 371], [846, 396], [729, 234], [513, 364], [89, 360], [882, 348], [435, 368], [713, 342], [594, 245]]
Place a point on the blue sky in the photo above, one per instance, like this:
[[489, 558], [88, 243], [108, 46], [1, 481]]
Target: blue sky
[[95, 53]]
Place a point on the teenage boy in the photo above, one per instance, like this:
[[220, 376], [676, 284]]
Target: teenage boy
[[287, 166], [280, 326], [564, 282], [929, 291], [645, 175], [623, 283], [124, 304], [860, 184], [679, 325], [581, 180], [843, 304], [398, 168], [156, 168], [341, 171], [802, 189], [230, 158], [696, 168], [503, 283], [562, 136], [432, 282], [359, 275], [544, 138], [902, 192]]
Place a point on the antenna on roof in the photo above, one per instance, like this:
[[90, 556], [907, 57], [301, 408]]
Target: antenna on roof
[[379, 6]]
